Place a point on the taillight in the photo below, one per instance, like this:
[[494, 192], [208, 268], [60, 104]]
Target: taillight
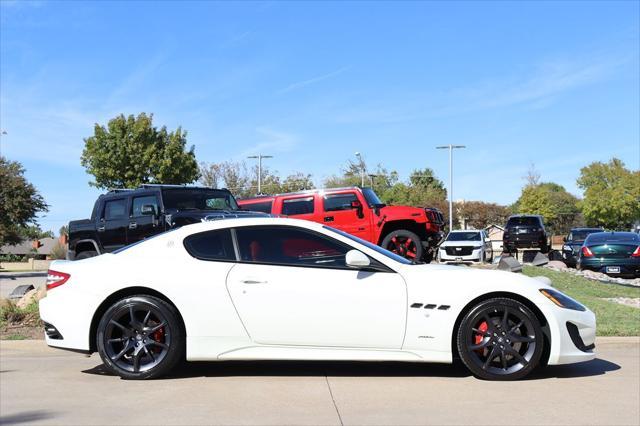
[[56, 279], [586, 252], [636, 253]]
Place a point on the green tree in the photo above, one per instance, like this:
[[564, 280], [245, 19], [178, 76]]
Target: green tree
[[20, 202], [552, 201], [297, 182], [130, 151], [611, 194]]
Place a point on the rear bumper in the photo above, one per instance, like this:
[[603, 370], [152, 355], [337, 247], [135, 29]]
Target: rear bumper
[[628, 266], [68, 321]]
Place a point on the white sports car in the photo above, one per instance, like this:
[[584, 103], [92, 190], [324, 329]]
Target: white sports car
[[276, 288]]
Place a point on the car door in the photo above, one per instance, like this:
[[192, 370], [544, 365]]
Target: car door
[[291, 287], [112, 225], [140, 225], [340, 211]]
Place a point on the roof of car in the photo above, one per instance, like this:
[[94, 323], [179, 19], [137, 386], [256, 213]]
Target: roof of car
[[587, 229], [466, 230], [305, 192]]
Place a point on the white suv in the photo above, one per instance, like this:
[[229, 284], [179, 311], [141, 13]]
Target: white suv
[[466, 246]]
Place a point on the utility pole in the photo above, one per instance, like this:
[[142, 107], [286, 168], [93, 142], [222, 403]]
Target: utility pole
[[361, 169], [450, 148], [260, 157], [371, 176]]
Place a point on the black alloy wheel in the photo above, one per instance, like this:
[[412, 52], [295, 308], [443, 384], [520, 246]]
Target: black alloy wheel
[[140, 337], [500, 339]]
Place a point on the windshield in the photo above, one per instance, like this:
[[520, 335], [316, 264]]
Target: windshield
[[581, 235], [464, 236], [524, 221], [372, 198], [378, 249], [198, 199]]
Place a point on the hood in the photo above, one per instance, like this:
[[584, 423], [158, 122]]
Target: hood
[[404, 212]]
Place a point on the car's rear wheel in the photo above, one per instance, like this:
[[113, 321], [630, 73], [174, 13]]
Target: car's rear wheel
[[140, 337], [500, 339], [404, 243]]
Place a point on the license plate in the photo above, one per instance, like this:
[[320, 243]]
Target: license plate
[[523, 231], [613, 269]]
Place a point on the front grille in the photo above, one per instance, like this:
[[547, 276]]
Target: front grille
[[459, 251]]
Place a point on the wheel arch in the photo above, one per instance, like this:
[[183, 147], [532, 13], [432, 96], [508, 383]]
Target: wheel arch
[[409, 225], [120, 294], [544, 324], [86, 245]]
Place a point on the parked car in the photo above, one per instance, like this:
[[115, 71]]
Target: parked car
[[410, 232], [573, 243], [126, 216], [613, 253], [525, 232], [278, 288], [466, 246]]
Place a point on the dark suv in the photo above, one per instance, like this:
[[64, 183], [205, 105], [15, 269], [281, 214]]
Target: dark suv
[[525, 231], [573, 243], [125, 216]]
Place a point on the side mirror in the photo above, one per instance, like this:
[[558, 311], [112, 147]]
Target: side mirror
[[357, 259], [357, 205], [148, 210]]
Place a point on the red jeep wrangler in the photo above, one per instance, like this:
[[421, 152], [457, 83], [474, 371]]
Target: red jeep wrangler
[[411, 232]]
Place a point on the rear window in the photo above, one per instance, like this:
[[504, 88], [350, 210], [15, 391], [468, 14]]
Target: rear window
[[582, 234], [524, 221], [211, 245], [620, 237], [264, 207], [296, 206]]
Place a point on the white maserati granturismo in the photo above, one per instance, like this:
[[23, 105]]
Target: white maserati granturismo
[[276, 288]]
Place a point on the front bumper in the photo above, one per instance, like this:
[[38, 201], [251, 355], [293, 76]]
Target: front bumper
[[573, 336]]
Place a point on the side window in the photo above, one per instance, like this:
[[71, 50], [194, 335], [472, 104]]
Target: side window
[[115, 209], [138, 202], [295, 206], [339, 202], [264, 207], [289, 246], [211, 245]]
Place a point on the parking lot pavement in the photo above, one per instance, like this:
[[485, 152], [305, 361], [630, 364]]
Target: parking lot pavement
[[11, 280], [39, 385]]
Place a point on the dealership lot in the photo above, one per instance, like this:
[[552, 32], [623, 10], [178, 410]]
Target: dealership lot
[[39, 385]]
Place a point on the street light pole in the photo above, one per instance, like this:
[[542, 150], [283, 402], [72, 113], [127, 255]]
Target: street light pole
[[450, 148], [260, 157]]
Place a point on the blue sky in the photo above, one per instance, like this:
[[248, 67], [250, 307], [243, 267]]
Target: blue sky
[[550, 83]]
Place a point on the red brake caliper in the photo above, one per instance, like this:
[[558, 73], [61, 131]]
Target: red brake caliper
[[158, 336], [483, 327]]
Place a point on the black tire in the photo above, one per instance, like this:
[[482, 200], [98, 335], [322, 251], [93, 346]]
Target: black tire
[[86, 254], [396, 241], [509, 347], [140, 337]]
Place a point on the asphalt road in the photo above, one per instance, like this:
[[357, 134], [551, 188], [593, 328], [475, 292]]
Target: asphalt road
[[39, 385], [11, 280]]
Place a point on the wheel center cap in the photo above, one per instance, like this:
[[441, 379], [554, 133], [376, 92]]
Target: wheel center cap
[[500, 339], [138, 336]]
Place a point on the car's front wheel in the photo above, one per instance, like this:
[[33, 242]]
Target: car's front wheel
[[140, 337], [500, 339]]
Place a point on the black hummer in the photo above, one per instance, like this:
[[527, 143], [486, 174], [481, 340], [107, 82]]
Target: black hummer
[[125, 216], [525, 232]]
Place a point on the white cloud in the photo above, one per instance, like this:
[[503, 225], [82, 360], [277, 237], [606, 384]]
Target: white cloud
[[317, 79]]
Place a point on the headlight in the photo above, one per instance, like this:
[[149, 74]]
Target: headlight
[[562, 300], [477, 247]]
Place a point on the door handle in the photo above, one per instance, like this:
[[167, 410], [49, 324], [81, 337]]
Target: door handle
[[101, 229], [253, 282], [133, 225], [328, 218]]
